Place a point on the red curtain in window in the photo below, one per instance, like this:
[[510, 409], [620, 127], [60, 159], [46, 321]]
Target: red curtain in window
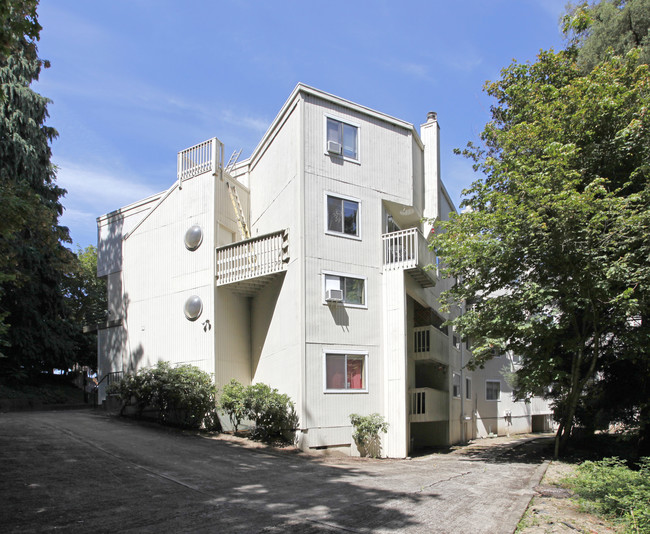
[[355, 373], [335, 371]]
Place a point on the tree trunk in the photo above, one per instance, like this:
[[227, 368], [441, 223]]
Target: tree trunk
[[558, 434], [643, 447]]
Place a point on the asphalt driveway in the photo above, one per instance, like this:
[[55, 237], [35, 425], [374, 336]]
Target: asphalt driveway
[[82, 471]]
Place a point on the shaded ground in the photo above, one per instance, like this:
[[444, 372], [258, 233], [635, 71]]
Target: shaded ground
[[46, 392], [83, 471]]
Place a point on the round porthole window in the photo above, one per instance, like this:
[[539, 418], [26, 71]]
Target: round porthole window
[[193, 237], [193, 308]]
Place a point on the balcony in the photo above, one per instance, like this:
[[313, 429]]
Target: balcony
[[247, 266], [427, 405], [430, 344], [408, 250], [204, 157]]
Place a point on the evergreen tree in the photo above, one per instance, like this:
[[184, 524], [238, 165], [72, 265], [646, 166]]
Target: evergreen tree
[[35, 330], [596, 30]]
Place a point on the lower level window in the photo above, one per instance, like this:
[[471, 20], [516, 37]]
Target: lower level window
[[345, 372], [456, 385], [492, 389]]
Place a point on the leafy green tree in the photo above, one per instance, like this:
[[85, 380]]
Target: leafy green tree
[[34, 332], [552, 248], [620, 25], [86, 303], [18, 25]]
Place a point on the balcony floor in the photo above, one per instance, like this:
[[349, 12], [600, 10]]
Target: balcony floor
[[250, 287]]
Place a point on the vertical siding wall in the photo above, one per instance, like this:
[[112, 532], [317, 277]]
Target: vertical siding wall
[[276, 323], [159, 274], [384, 172], [492, 414], [232, 312], [112, 352]]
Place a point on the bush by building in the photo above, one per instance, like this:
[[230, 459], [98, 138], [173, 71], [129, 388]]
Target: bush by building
[[183, 396]]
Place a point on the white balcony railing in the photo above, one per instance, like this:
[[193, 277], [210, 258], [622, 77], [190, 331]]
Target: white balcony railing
[[204, 157], [429, 343], [428, 405], [406, 250], [252, 258]]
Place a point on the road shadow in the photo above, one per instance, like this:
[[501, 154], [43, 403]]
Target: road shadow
[[108, 474], [529, 451], [532, 451]]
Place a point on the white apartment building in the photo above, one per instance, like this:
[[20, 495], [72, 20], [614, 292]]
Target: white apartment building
[[306, 267]]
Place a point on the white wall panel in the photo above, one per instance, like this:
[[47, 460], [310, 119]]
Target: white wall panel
[[276, 312], [159, 274]]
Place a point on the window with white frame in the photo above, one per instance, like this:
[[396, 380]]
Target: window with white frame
[[455, 338], [345, 372], [342, 138], [468, 388], [456, 385], [342, 215], [354, 289], [492, 390]]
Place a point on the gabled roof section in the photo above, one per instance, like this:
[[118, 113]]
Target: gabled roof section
[[302, 89]]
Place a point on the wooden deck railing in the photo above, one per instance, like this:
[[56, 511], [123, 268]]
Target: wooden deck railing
[[204, 157], [406, 249], [251, 258]]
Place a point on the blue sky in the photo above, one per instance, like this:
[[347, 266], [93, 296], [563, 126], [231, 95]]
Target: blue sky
[[135, 81]]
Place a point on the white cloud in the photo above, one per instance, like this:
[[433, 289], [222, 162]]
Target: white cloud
[[91, 193], [554, 8], [257, 124], [416, 71], [463, 57], [93, 187]]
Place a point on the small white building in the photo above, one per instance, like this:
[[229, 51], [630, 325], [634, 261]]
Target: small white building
[[306, 267]]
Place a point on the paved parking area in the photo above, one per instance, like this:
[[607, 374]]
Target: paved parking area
[[82, 471]]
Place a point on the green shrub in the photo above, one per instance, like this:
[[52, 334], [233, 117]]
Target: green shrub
[[272, 413], [366, 433], [608, 487], [181, 396], [232, 402]]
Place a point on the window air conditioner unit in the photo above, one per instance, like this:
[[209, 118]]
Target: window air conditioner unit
[[334, 147], [334, 295]]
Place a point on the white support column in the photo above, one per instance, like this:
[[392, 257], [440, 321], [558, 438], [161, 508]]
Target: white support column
[[430, 135], [395, 441]]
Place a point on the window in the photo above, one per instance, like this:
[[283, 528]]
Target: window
[[492, 390], [391, 225], [342, 216], [354, 289], [456, 338], [345, 372], [456, 385], [468, 388], [342, 138]]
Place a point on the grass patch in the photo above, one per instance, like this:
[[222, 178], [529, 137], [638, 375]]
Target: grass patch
[[610, 488]]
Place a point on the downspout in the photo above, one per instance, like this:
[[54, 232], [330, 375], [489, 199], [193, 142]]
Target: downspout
[[462, 387], [462, 394]]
